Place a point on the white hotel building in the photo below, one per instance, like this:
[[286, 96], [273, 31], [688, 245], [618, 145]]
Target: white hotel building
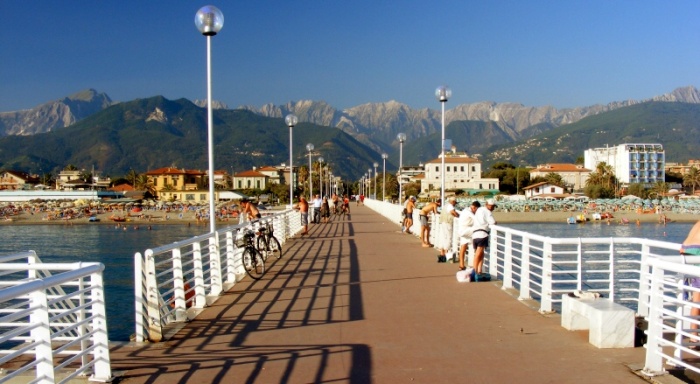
[[461, 172], [633, 163]]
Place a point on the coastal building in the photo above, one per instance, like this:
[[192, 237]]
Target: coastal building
[[544, 190], [461, 172], [16, 180], [250, 179], [632, 163], [274, 175], [174, 184], [574, 175], [682, 169]]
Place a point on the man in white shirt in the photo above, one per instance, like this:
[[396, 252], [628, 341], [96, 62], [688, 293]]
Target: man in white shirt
[[465, 226], [483, 219], [317, 208]]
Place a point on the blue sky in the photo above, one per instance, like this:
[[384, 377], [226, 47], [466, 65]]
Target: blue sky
[[347, 53]]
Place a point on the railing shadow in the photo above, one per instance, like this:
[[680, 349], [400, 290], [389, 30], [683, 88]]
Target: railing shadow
[[313, 289]]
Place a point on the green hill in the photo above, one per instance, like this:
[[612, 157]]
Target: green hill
[[675, 125], [152, 133]]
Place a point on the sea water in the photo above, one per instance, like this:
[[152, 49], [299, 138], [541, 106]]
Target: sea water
[[115, 248], [111, 245]]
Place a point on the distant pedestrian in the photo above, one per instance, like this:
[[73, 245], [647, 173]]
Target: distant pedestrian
[[447, 217], [325, 210], [423, 216], [465, 229], [303, 207], [410, 206]]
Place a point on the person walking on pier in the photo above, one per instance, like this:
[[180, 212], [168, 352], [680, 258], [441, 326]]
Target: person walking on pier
[[483, 219], [425, 223]]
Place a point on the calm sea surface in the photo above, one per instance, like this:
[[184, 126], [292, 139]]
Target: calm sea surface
[[116, 247]]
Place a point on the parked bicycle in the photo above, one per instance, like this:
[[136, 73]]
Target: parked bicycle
[[268, 245], [253, 261]]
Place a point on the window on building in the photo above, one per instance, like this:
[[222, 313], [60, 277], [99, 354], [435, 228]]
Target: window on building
[[461, 169], [448, 168], [257, 184], [240, 184], [437, 169], [551, 190], [189, 196], [473, 168], [202, 196]]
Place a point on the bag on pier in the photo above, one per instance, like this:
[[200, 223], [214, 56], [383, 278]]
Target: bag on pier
[[465, 276]]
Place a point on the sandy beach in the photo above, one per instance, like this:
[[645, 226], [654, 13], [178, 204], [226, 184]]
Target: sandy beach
[[189, 218]]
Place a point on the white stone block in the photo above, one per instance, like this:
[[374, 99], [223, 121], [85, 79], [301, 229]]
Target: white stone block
[[610, 325]]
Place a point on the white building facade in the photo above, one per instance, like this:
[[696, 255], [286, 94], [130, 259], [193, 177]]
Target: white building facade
[[461, 172], [633, 163]]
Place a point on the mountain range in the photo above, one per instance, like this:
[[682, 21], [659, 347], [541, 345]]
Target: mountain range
[[501, 130]]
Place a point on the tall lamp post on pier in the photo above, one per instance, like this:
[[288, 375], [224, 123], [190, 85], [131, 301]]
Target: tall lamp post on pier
[[401, 137], [442, 93], [291, 120], [372, 181], [320, 175], [209, 20], [310, 147], [384, 156], [375, 179]]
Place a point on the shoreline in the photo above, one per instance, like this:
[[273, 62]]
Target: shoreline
[[189, 218]]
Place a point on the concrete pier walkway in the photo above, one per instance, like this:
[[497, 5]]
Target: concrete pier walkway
[[357, 301]]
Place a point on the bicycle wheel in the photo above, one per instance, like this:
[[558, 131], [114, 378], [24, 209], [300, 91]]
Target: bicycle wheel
[[275, 247], [253, 263], [262, 246]]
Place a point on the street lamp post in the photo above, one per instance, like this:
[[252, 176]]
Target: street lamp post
[[310, 147], [320, 175], [369, 190], [384, 156], [401, 137], [291, 120], [442, 93], [209, 20], [375, 179]]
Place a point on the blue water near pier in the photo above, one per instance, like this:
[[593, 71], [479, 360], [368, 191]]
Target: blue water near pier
[[116, 247]]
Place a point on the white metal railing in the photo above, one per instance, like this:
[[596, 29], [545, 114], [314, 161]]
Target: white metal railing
[[674, 318], [175, 282], [55, 312], [543, 268], [645, 275]]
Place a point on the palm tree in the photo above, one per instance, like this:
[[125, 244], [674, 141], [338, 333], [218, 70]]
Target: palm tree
[[661, 188], [132, 177], [554, 179], [692, 178]]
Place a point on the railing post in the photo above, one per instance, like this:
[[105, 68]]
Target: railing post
[[139, 296], [215, 265], [178, 300], [546, 299], [230, 273], [199, 293], [644, 274], [579, 265], [41, 334], [102, 369], [653, 364], [507, 259], [611, 266], [525, 270], [155, 328]]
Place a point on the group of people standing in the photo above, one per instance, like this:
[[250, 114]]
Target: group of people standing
[[322, 209], [472, 228]]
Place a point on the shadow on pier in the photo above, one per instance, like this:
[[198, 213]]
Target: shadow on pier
[[357, 301]]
